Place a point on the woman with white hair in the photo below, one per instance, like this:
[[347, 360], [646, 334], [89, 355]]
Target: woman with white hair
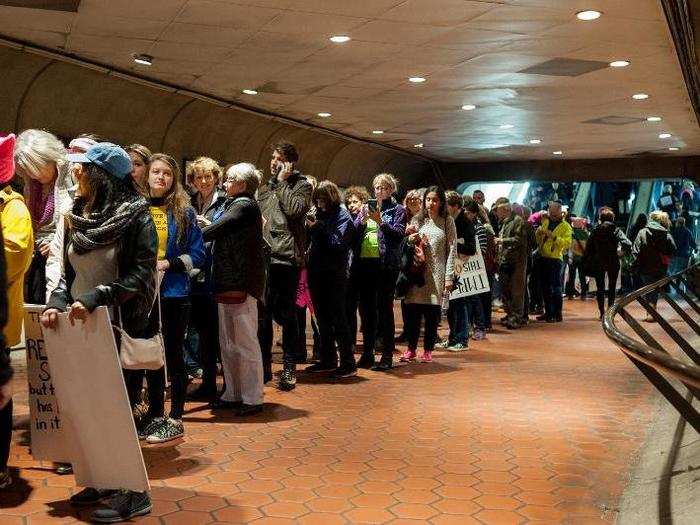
[[238, 276], [40, 158]]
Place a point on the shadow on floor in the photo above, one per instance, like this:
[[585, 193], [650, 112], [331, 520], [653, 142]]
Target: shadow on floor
[[17, 493], [271, 412]]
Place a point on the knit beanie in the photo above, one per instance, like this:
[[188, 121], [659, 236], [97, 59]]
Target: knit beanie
[[7, 158]]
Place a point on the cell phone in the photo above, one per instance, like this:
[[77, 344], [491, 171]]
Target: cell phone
[[372, 204]]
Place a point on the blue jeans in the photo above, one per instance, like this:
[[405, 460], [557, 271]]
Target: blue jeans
[[190, 349], [475, 312], [458, 321], [551, 286]]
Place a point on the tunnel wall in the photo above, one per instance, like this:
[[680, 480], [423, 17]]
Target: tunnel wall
[[67, 99]]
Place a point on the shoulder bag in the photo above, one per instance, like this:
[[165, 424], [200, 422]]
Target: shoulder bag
[[137, 353]]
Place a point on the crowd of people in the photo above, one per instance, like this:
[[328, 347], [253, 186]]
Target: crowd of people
[[210, 260]]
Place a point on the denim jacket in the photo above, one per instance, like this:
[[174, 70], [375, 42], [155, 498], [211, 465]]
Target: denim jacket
[[183, 256], [391, 232]]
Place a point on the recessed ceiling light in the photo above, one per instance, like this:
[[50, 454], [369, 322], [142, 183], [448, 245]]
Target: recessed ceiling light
[[557, 153], [340, 39], [588, 15], [535, 141], [250, 92], [417, 80], [673, 149], [665, 135], [378, 132], [144, 60], [418, 145], [507, 126], [640, 96], [468, 107], [619, 63], [324, 115], [653, 119]]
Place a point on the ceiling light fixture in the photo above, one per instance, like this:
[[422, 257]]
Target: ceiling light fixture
[[640, 96], [620, 63], [653, 119], [535, 141], [557, 153], [468, 107], [417, 80], [340, 39], [665, 135], [324, 115], [418, 145], [507, 126], [250, 92], [144, 60], [673, 149], [588, 15], [378, 132]]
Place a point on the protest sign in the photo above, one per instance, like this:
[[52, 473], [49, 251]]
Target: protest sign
[[97, 414], [473, 279], [47, 426]]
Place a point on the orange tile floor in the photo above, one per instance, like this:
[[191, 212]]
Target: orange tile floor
[[534, 426]]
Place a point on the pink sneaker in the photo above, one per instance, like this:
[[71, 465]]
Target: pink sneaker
[[427, 357], [408, 356]]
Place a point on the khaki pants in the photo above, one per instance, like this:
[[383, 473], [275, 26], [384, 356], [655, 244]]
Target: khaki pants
[[513, 291]]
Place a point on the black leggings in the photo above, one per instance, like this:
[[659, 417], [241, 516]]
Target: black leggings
[[612, 274], [414, 313], [205, 319]]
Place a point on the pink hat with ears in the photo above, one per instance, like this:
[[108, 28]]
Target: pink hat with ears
[[7, 158]]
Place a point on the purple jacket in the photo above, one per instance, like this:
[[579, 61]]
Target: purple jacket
[[391, 232]]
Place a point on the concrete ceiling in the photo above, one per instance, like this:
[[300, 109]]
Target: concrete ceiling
[[471, 52]]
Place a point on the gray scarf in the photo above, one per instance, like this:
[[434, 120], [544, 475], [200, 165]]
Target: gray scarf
[[103, 228]]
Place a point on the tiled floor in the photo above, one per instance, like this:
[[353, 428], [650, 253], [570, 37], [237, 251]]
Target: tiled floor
[[534, 426]]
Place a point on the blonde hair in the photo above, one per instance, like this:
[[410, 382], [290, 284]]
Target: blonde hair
[[661, 217], [176, 198], [386, 179], [247, 173], [35, 149], [203, 165]]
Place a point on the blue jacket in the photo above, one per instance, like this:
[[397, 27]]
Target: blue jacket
[[183, 256], [391, 232], [331, 241], [685, 244]]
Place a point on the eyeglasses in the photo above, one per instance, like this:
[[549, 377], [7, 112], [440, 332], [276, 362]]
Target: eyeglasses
[[204, 177], [382, 188]]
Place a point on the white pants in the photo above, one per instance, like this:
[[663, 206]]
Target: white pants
[[240, 352]]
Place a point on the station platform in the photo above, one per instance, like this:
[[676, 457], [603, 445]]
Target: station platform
[[540, 425]]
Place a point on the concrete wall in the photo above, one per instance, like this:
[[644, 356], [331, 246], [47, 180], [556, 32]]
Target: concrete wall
[[68, 99]]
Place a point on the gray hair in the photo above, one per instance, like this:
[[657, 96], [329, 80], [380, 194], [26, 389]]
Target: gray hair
[[247, 173], [35, 149], [387, 179]]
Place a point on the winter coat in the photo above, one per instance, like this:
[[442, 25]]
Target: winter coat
[[5, 366], [652, 250], [331, 241], [284, 205], [466, 235], [19, 247], [184, 254], [601, 248], [391, 232], [239, 260], [553, 247], [685, 244], [513, 250], [134, 288]]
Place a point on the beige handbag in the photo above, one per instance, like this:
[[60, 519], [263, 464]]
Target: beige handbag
[[142, 354]]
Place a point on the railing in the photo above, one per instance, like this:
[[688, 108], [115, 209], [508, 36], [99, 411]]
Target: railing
[[648, 355]]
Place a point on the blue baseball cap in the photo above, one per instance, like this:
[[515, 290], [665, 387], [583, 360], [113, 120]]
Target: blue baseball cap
[[110, 157]]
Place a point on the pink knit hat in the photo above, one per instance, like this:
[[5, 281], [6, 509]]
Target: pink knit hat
[[7, 158]]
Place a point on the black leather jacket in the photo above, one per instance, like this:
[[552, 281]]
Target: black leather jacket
[[133, 289]]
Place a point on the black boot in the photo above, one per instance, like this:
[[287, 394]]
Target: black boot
[[366, 361]]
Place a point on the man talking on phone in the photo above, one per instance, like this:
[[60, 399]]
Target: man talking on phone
[[284, 201]]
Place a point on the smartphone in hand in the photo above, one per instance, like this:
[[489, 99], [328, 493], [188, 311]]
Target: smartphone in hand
[[372, 205]]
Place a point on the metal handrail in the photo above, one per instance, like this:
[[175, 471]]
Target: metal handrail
[[648, 354]]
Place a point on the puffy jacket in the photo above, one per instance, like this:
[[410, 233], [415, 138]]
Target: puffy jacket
[[652, 250], [284, 205], [133, 289], [514, 245], [184, 255], [601, 249], [331, 241], [553, 247], [238, 249], [391, 232], [19, 246]]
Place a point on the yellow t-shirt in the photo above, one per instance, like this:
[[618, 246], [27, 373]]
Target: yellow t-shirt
[[160, 218]]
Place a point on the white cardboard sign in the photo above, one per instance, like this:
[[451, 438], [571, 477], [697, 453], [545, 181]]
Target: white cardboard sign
[[94, 402], [473, 279]]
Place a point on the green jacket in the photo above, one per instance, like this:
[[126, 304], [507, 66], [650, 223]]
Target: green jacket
[[514, 241]]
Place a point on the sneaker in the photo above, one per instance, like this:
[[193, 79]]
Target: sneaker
[[366, 361], [427, 357], [320, 367], [90, 496], [5, 479], [459, 347], [169, 430], [288, 380], [479, 335], [383, 365], [150, 427], [124, 505], [344, 371], [408, 356], [443, 344], [197, 373]]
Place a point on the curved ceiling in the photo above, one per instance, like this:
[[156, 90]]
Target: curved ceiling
[[513, 59]]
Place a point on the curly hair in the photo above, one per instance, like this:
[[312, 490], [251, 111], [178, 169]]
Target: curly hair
[[176, 198], [203, 165], [357, 191]]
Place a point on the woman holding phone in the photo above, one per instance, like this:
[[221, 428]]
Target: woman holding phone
[[380, 225]]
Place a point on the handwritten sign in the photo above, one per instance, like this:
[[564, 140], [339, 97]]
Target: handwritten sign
[[473, 279], [49, 442]]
